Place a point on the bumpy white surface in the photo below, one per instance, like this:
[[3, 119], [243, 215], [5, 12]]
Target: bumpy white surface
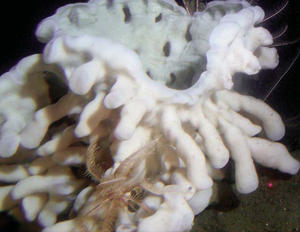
[[107, 54], [23, 90]]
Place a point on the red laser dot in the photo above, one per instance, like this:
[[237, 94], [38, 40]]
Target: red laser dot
[[270, 184]]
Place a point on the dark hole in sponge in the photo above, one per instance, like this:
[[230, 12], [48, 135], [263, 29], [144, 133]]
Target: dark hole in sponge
[[172, 79], [149, 74], [158, 18], [188, 36], [167, 48], [109, 3], [127, 14]]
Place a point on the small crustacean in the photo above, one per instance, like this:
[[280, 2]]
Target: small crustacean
[[98, 160], [194, 6], [121, 190]]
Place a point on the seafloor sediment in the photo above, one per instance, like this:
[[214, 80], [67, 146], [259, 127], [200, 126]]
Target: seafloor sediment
[[273, 207]]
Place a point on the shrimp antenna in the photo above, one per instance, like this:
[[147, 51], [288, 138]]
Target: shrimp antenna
[[296, 117], [198, 6], [286, 43], [281, 77], [277, 12], [281, 33], [187, 6]]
